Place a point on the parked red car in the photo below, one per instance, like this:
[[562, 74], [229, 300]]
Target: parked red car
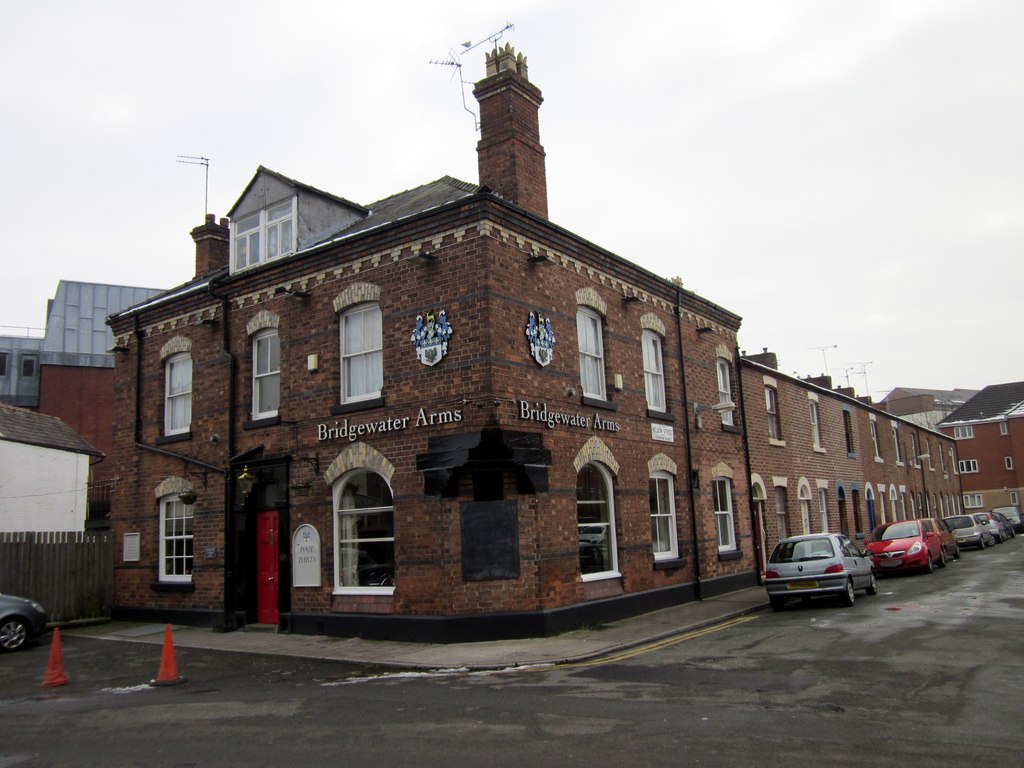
[[911, 545]]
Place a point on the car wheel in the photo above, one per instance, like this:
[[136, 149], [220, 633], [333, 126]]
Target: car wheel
[[872, 587], [778, 603], [942, 558], [13, 634], [956, 552], [929, 565], [981, 543], [848, 596]]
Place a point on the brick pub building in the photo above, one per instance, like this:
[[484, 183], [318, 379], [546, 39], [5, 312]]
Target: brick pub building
[[438, 417]]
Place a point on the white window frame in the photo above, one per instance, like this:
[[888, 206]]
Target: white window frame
[[661, 490], [781, 512], [1008, 462], [590, 337], [723, 373], [343, 543], [266, 372], [973, 500], [823, 509], [1013, 497], [174, 396], [253, 237], [725, 524], [896, 444], [965, 432], [804, 497], [176, 533], [873, 422], [369, 353], [611, 568], [968, 466], [1004, 428], [654, 370], [771, 407], [815, 416]]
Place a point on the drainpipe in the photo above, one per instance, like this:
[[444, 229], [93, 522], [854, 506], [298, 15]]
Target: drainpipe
[[138, 379], [229, 484], [689, 450], [755, 525]]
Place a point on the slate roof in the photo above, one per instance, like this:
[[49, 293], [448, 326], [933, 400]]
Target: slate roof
[[18, 425], [995, 401], [411, 202]]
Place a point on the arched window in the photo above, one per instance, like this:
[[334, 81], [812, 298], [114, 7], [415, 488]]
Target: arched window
[[725, 525], [364, 556], [804, 494], [654, 374], [589, 332], [595, 522]]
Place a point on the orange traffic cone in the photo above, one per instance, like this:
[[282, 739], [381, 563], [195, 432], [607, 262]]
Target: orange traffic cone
[[55, 671], [168, 674]]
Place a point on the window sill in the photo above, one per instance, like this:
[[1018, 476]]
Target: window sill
[[268, 421], [818, 449], [178, 438], [731, 428], [732, 554], [364, 591], [359, 405], [595, 402], [600, 576], [879, 460], [670, 563], [779, 443], [660, 415], [171, 587]]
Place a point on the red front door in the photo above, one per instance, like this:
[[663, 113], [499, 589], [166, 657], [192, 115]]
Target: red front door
[[266, 567]]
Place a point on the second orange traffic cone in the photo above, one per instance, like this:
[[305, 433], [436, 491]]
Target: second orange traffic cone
[[55, 671], [168, 674]]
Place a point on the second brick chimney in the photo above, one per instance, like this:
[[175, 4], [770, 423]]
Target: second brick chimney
[[212, 246], [509, 153]]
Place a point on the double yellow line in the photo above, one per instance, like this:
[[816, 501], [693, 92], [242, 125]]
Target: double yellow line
[[668, 642]]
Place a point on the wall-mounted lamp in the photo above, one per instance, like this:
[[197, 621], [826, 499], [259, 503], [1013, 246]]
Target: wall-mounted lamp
[[722, 407], [424, 257], [187, 497], [540, 259], [288, 293], [246, 481]]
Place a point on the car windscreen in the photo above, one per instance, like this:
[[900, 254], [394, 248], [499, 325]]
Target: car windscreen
[[895, 531], [802, 550], [961, 521]]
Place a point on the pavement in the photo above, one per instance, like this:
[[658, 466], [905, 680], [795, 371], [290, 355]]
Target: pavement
[[571, 647]]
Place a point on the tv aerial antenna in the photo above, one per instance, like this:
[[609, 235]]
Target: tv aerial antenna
[[454, 60], [205, 162]]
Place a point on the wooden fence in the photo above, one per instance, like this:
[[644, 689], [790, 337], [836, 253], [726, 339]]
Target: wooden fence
[[69, 572]]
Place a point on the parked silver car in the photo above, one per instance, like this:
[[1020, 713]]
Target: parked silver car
[[968, 531], [20, 619], [818, 564], [992, 525]]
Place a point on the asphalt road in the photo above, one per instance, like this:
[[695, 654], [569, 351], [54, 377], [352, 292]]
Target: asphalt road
[[928, 672]]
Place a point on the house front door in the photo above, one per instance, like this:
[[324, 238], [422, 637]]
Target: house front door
[[266, 567]]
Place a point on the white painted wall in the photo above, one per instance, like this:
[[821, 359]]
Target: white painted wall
[[42, 489]]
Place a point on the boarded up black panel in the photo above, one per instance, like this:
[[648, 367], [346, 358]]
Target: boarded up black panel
[[490, 540]]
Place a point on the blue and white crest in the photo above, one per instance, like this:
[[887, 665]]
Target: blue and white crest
[[431, 338], [542, 338]]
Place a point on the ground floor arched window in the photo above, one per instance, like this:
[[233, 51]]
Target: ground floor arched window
[[595, 521], [365, 532]]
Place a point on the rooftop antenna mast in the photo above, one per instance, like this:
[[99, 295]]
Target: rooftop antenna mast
[[864, 372], [205, 162], [822, 350], [454, 61]]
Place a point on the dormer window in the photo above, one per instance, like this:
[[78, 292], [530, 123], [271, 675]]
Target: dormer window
[[264, 236]]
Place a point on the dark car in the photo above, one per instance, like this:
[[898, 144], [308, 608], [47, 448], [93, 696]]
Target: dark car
[[1005, 524], [1015, 517], [20, 620]]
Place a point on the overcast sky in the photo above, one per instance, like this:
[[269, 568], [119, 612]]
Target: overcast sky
[[843, 175]]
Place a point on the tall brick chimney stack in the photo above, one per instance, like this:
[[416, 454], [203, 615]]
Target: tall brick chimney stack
[[212, 246], [509, 153]]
